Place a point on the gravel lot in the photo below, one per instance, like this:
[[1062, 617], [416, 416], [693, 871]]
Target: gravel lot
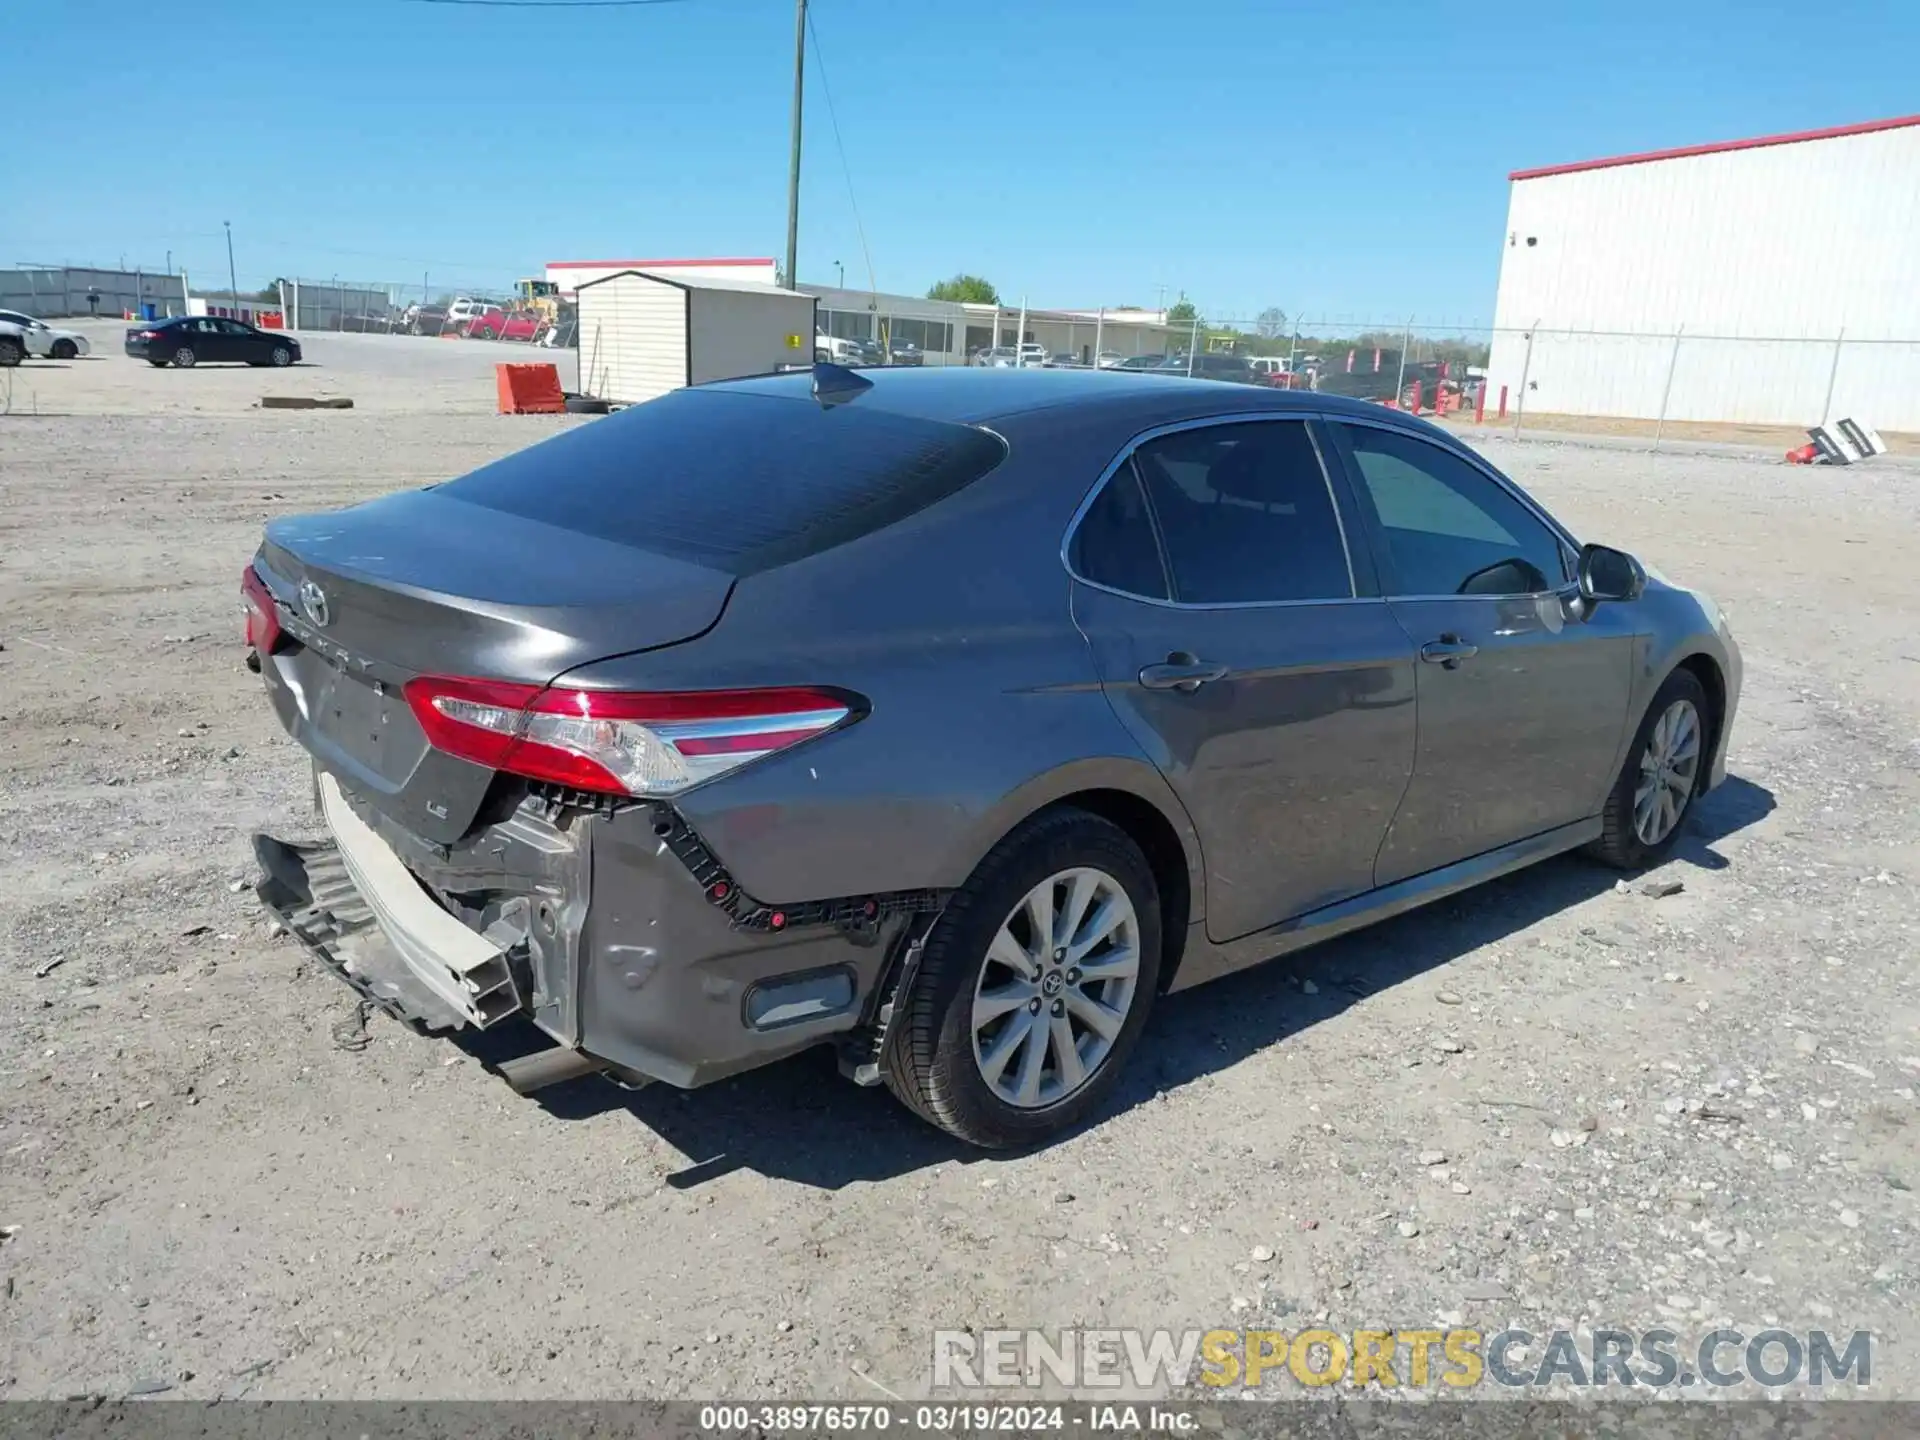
[[1690, 1110]]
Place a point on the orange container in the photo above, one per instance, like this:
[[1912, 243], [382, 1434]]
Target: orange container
[[530, 390]]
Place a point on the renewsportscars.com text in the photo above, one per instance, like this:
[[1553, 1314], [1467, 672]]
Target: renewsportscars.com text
[[1458, 1358]]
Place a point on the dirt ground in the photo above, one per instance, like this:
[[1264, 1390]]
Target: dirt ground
[[1691, 1110]]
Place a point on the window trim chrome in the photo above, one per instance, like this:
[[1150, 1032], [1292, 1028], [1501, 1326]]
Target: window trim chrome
[[1527, 502], [1203, 422]]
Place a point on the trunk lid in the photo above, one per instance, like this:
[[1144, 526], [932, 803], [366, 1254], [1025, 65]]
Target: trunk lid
[[421, 583]]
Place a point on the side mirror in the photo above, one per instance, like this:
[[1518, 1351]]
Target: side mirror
[[1609, 574]]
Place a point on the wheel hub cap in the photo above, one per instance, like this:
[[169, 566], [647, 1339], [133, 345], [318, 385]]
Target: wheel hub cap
[[1056, 988]]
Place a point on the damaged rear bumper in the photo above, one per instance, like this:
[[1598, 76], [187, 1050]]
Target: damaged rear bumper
[[651, 980]]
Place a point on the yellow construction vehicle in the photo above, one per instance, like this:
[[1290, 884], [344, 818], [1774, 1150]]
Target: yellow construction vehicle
[[541, 296]]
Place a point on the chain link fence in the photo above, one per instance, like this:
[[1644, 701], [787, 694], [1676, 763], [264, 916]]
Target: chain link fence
[[1647, 383]]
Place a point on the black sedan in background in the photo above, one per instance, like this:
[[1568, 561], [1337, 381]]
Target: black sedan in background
[[189, 340]]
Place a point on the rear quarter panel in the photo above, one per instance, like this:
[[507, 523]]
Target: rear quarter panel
[[985, 706]]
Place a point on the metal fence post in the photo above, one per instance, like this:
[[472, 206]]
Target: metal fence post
[[1526, 366], [1400, 380], [1193, 341], [1666, 391], [1833, 373], [1099, 331]]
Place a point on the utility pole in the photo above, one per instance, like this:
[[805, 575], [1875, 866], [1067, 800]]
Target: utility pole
[[233, 285], [793, 168], [842, 284]]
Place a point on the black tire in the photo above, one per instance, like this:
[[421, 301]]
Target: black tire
[[280, 358], [12, 352], [65, 350], [586, 405], [184, 358], [1620, 844], [158, 364], [929, 1064]]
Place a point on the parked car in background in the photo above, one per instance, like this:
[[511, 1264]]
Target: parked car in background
[[1108, 360], [1064, 360], [1211, 366], [44, 340], [1268, 366], [464, 311], [1140, 362], [846, 350], [496, 324], [904, 352], [1029, 356], [1257, 668], [424, 319], [190, 340]]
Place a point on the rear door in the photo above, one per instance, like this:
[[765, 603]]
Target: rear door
[[1521, 709], [1250, 659]]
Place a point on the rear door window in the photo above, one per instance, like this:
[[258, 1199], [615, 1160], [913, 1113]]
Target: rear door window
[[1115, 544], [1245, 514], [735, 481]]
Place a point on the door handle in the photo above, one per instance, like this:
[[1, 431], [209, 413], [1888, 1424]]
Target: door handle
[[1181, 672], [1448, 650]]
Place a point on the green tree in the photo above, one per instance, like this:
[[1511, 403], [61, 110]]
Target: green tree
[[970, 289], [1182, 311]]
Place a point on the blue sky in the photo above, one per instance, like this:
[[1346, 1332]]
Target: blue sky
[[1332, 159]]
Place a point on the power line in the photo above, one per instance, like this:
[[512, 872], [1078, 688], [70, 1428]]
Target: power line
[[826, 90]]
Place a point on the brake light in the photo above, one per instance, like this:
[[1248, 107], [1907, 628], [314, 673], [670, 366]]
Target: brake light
[[618, 742], [263, 616]]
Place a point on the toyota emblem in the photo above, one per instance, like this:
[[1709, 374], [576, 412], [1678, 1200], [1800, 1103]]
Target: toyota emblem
[[313, 603]]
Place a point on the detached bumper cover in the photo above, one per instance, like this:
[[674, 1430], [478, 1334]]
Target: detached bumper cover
[[655, 978], [309, 888], [355, 905]]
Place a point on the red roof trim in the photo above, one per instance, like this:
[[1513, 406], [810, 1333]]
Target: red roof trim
[[650, 264], [1865, 128]]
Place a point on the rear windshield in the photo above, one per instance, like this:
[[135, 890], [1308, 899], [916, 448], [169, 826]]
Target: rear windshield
[[736, 482]]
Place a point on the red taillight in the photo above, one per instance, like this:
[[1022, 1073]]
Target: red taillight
[[263, 616], [619, 742]]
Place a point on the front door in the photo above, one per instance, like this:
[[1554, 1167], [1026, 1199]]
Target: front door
[[1216, 592], [241, 342], [1522, 709]]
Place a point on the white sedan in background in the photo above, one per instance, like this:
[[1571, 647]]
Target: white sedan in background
[[45, 341]]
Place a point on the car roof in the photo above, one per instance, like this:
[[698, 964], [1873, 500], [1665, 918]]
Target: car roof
[[971, 395]]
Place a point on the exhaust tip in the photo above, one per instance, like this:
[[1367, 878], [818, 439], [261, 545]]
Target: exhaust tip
[[537, 1071]]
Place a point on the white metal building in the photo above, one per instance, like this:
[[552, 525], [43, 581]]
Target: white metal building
[[643, 334], [570, 275], [949, 332], [1773, 280]]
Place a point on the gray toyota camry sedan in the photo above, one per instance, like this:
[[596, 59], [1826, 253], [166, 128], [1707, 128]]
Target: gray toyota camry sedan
[[948, 718]]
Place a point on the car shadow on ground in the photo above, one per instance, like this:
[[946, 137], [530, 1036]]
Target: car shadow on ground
[[800, 1121]]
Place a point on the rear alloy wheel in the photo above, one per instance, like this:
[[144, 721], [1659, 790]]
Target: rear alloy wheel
[[65, 350], [1033, 985], [12, 352], [281, 356], [184, 358], [1662, 776], [1046, 1012]]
